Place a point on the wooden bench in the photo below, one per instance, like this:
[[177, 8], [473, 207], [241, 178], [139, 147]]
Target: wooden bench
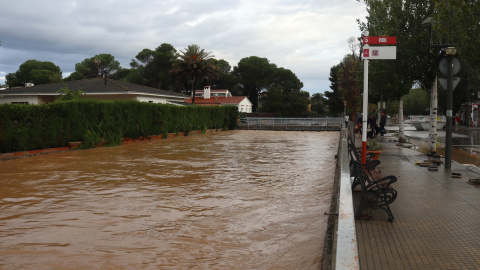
[[375, 193]]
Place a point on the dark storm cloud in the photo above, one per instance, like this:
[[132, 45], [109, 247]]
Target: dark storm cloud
[[307, 37]]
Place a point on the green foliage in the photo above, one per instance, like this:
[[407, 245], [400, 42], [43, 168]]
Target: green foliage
[[274, 102], [254, 75], [417, 101], [344, 79], [36, 72], [29, 127], [195, 64], [90, 139], [284, 97], [121, 74], [372, 145], [297, 105], [226, 79], [414, 62], [194, 68], [456, 22], [278, 89], [69, 94], [153, 67], [318, 104], [94, 67], [392, 107], [335, 98], [348, 79], [418, 24]]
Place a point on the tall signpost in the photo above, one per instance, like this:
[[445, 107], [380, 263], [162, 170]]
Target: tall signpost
[[449, 66], [373, 53]]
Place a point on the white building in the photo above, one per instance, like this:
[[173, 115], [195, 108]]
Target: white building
[[208, 97], [98, 89]]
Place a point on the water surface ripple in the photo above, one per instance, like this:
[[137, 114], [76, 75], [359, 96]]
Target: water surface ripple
[[229, 200]]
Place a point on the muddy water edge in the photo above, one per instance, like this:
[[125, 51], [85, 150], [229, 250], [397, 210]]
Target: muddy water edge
[[227, 200]]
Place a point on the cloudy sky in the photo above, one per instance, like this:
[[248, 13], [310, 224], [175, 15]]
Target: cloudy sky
[[306, 36]]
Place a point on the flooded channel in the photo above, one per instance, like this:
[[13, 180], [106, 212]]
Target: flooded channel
[[228, 200]]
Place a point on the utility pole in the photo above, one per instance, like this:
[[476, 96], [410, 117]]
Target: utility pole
[[448, 142]]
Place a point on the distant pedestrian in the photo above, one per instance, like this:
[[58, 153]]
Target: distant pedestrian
[[372, 122], [383, 122], [359, 123]]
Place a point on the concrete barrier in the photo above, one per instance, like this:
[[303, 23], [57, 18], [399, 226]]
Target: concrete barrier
[[346, 241]]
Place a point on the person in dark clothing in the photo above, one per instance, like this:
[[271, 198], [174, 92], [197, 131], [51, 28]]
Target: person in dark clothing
[[383, 122], [372, 122], [359, 123]]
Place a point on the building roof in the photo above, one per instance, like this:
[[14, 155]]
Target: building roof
[[218, 100], [91, 86]]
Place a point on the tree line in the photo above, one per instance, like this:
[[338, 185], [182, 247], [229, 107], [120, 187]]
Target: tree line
[[270, 88], [420, 27]]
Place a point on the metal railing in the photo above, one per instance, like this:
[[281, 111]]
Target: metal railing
[[300, 124]]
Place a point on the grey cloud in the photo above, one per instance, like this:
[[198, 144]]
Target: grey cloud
[[66, 32]]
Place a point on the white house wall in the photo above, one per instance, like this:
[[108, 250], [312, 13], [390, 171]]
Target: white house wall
[[245, 106], [35, 100], [30, 99], [161, 100]]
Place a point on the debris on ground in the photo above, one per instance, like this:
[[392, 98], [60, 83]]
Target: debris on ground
[[456, 175], [431, 163], [474, 180]]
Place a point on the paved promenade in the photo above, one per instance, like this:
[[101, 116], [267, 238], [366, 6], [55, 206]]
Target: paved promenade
[[437, 217]]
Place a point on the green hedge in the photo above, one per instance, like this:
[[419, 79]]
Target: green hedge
[[30, 127]]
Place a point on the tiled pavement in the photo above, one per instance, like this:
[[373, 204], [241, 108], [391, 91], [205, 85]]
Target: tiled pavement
[[437, 217]]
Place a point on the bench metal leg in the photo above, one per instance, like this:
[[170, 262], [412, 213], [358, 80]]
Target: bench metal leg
[[380, 199]]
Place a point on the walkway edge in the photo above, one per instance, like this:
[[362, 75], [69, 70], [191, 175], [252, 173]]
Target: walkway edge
[[347, 249]]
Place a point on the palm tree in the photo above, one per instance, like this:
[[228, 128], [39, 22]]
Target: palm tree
[[194, 63]]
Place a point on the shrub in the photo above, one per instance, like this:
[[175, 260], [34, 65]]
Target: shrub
[[29, 127]]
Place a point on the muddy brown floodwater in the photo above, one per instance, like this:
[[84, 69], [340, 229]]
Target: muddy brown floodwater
[[228, 200]]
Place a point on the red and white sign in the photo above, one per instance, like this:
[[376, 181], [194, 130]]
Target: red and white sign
[[366, 53], [379, 40], [380, 52]]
